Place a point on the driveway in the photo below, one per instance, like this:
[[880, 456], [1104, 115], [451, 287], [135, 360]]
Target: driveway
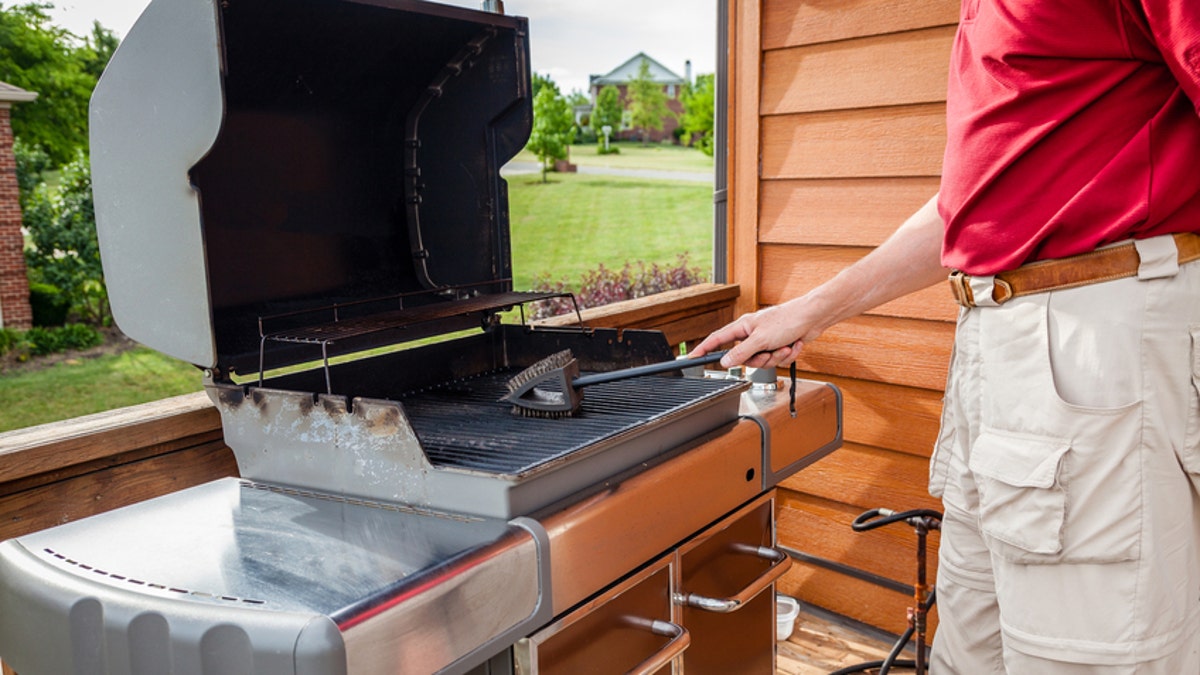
[[516, 168]]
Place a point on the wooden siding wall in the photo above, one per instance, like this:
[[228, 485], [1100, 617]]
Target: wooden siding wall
[[837, 113]]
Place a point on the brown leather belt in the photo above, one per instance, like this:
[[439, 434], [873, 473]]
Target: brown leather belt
[[1106, 264]]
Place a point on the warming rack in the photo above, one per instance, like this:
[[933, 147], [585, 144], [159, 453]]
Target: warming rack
[[325, 325]]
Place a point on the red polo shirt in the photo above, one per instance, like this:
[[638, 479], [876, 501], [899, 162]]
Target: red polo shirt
[[1070, 124]]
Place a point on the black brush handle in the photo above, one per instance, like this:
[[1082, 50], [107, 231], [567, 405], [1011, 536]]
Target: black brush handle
[[652, 369]]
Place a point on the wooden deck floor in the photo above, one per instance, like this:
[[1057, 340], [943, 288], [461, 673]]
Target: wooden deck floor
[[822, 643]]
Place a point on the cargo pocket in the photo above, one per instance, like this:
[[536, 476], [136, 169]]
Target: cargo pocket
[[1022, 501]]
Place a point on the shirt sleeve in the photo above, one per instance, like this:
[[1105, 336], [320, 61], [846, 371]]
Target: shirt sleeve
[[1175, 27]]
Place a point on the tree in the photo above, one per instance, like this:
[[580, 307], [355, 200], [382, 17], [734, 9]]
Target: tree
[[540, 81], [577, 97], [100, 47], [62, 69], [63, 250], [553, 127], [699, 107], [32, 162], [608, 110], [647, 102]]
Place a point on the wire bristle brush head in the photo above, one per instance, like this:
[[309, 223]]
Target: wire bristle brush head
[[545, 389]]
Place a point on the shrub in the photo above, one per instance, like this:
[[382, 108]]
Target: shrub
[[32, 161], [62, 248], [48, 303], [584, 136], [79, 336], [10, 340], [603, 286], [43, 341]]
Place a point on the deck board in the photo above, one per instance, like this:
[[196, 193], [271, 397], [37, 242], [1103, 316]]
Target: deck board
[[822, 643]]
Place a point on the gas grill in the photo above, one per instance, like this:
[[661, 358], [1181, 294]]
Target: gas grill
[[303, 198]]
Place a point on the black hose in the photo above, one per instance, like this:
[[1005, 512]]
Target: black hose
[[895, 653], [874, 518], [923, 520], [891, 661], [862, 667]]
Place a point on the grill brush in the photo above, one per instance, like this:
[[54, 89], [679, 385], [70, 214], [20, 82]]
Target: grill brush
[[551, 387]]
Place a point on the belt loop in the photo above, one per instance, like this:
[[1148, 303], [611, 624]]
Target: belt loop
[[1158, 257], [960, 289], [982, 289], [972, 291]]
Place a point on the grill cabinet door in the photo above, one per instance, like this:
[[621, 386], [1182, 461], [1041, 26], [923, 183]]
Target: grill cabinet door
[[727, 596], [626, 629]]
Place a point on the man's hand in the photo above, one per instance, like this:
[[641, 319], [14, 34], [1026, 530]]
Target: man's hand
[[766, 338]]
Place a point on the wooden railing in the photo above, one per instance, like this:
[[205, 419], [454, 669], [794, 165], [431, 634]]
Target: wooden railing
[[63, 471]]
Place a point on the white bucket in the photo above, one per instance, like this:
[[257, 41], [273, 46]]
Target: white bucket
[[786, 611]]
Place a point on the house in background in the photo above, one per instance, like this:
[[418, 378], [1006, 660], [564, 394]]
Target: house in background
[[671, 83], [14, 285]]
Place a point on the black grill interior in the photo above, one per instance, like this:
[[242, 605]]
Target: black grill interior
[[462, 424]]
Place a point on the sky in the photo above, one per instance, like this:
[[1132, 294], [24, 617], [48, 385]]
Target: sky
[[569, 39]]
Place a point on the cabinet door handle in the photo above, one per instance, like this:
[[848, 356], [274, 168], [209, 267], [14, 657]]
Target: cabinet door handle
[[780, 563], [680, 639]]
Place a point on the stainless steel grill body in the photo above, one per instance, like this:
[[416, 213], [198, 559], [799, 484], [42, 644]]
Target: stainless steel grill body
[[236, 577], [242, 577], [437, 436]]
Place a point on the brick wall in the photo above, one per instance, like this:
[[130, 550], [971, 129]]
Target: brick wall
[[14, 285]]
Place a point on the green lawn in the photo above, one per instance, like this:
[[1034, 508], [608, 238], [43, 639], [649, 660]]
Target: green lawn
[[661, 157], [565, 227], [576, 222], [84, 386]]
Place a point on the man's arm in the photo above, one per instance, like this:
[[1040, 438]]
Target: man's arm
[[908, 261]]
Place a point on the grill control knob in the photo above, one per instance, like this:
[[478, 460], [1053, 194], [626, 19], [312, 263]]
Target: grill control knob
[[764, 378]]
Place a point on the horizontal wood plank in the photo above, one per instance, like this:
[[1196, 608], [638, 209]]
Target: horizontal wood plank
[[100, 491], [842, 212], [822, 642], [859, 600], [50, 447], [791, 271], [867, 478], [71, 470], [871, 72], [904, 419], [878, 142], [693, 329], [684, 315], [791, 22], [821, 528], [907, 352]]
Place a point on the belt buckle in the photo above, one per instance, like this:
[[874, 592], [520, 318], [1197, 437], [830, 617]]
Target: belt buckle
[[961, 288]]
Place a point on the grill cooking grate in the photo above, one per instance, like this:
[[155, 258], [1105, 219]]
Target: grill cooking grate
[[462, 424]]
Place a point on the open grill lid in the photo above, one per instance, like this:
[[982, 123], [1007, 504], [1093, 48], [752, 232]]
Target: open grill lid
[[275, 158]]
